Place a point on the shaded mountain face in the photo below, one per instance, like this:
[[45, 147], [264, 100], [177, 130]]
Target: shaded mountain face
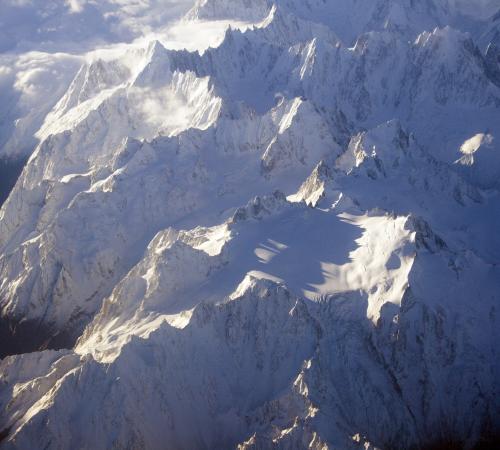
[[9, 172], [269, 225]]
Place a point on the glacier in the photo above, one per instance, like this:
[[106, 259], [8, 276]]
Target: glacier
[[250, 224]]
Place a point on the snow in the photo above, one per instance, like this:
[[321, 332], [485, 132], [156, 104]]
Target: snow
[[473, 144], [35, 75], [249, 225]]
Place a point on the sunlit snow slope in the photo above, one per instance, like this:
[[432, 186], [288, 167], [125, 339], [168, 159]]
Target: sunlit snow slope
[[250, 224]]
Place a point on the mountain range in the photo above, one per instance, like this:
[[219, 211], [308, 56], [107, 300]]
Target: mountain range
[[250, 224]]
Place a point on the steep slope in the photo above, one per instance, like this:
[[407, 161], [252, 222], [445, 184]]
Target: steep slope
[[285, 240], [45, 43], [368, 332], [349, 18]]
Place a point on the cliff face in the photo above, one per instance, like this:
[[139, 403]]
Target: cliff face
[[285, 240]]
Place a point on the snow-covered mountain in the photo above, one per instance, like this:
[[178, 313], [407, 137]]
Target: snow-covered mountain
[[266, 225]]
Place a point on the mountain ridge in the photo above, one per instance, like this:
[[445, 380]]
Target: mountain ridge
[[284, 240]]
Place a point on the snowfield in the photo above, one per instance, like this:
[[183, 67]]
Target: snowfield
[[250, 224]]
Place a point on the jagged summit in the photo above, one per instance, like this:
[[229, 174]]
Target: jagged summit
[[267, 225]]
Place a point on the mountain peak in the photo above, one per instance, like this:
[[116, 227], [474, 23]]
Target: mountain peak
[[237, 228]]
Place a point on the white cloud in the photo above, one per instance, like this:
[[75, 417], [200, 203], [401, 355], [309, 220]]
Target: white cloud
[[75, 6], [478, 8]]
